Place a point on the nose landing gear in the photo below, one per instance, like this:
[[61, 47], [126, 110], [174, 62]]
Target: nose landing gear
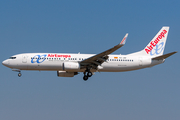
[[17, 70], [19, 74]]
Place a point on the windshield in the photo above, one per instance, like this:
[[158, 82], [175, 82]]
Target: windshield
[[12, 58]]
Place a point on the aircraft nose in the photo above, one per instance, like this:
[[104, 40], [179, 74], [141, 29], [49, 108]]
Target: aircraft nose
[[5, 62]]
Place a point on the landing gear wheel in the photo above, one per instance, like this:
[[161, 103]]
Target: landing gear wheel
[[89, 74], [85, 77], [19, 74]]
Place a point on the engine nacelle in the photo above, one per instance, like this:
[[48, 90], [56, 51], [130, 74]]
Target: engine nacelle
[[65, 74], [71, 66]]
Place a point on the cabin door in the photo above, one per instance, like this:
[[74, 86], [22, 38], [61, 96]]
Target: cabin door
[[24, 59]]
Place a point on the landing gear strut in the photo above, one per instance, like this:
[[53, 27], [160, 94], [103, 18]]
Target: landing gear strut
[[87, 74]]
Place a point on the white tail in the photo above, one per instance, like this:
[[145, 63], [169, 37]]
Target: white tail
[[156, 46]]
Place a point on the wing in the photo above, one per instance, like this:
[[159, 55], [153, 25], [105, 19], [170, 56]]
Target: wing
[[98, 59]]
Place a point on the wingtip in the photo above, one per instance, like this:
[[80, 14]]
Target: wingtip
[[126, 35], [124, 39]]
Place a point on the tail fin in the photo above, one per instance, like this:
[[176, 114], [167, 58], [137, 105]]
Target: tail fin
[[157, 44]]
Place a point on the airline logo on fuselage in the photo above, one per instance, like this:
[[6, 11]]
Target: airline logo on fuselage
[[155, 42], [38, 58], [41, 58], [56, 55]]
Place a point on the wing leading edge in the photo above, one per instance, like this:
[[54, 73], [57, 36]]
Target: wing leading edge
[[98, 59]]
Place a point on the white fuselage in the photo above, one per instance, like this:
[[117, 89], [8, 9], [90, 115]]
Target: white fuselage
[[68, 65], [54, 62]]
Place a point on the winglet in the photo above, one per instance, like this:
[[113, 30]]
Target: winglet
[[124, 39]]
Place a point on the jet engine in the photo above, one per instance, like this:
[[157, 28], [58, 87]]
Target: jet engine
[[71, 66]]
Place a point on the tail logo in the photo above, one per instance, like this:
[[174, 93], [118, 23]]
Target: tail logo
[[158, 49], [155, 42]]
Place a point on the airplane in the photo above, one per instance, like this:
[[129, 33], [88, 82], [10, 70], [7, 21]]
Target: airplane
[[69, 65]]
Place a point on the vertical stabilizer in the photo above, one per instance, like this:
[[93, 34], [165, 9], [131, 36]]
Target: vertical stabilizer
[[157, 45]]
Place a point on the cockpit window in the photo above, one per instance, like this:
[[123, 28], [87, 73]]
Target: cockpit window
[[12, 58]]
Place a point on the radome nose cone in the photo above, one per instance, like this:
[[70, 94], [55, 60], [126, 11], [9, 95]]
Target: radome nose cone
[[5, 62]]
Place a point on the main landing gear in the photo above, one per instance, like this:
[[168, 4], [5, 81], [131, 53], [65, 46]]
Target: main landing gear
[[87, 74]]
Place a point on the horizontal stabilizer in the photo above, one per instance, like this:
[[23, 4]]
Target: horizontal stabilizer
[[164, 56]]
